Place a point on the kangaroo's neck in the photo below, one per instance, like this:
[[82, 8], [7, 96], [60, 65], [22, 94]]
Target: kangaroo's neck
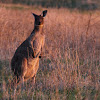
[[38, 29]]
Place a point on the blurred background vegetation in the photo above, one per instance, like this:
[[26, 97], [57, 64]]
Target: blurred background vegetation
[[70, 68], [79, 4]]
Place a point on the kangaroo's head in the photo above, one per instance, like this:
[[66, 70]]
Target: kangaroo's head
[[39, 19]]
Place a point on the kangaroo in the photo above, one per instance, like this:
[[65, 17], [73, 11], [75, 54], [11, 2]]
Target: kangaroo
[[25, 61]]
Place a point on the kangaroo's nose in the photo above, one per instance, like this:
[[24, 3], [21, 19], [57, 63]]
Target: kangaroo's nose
[[39, 23]]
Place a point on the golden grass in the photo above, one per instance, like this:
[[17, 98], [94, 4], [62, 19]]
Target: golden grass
[[71, 55]]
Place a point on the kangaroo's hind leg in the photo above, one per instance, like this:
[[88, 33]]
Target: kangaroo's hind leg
[[33, 80], [23, 71]]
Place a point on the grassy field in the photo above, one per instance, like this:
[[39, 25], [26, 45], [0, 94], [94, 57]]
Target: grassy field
[[70, 68]]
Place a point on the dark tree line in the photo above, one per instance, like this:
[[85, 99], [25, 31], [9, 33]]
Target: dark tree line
[[86, 4]]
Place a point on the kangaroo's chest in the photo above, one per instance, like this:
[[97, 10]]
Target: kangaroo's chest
[[37, 43]]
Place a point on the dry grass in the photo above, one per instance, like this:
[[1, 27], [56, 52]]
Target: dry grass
[[70, 68]]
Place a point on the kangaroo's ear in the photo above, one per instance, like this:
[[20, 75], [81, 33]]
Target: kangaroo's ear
[[34, 14], [44, 13]]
